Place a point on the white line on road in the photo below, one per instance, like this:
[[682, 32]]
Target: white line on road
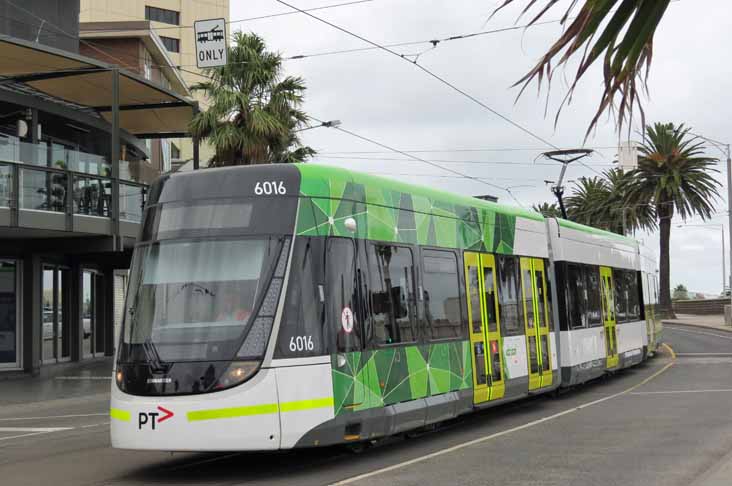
[[16, 419], [671, 392], [497, 434], [697, 332], [30, 431], [83, 378], [711, 355], [93, 425]]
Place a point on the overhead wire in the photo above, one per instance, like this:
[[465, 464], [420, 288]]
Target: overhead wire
[[414, 157], [434, 76]]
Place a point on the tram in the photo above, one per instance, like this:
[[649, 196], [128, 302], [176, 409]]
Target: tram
[[296, 305]]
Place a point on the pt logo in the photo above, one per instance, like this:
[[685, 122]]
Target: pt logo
[[152, 418]]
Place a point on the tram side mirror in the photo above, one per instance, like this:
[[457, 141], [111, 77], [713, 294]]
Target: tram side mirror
[[350, 224]]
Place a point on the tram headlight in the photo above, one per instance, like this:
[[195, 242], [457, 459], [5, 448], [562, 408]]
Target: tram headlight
[[237, 372]]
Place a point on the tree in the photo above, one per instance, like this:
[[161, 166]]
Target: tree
[[254, 112], [680, 292], [548, 210], [622, 37], [588, 202], [673, 177]]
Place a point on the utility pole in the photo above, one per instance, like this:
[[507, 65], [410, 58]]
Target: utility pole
[[558, 188]]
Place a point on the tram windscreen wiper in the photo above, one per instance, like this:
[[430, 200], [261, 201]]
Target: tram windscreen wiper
[[153, 357]]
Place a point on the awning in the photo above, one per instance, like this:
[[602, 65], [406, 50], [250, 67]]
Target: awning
[[146, 109]]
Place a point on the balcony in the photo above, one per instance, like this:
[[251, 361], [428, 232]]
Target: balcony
[[54, 189]]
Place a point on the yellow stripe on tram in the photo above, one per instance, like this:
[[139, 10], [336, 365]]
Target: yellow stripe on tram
[[264, 409], [118, 414], [306, 404]]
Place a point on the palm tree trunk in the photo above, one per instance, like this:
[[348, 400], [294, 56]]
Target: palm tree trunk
[[664, 298]]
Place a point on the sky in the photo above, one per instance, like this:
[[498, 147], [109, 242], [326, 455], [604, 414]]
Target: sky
[[388, 99]]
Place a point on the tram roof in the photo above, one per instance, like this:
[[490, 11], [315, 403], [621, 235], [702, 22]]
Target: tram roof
[[595, 231], [328, 182]]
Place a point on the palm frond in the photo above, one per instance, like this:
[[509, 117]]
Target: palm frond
[[619, 31]]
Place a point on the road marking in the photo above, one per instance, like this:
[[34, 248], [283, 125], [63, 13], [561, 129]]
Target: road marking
[[505, 432], [670, 350], [16, 419], [93, 425], [697, 332], [671, 392], [83, 378], [30, 431], [711, 355]]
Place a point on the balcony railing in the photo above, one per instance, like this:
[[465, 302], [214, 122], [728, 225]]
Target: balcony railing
[[29, 187]]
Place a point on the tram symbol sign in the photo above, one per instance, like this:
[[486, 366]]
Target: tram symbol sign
[[210, 43], [347, 320]]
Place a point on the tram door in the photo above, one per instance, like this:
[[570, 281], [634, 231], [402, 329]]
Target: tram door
[[536, 320], [485, 331], [608, 311]]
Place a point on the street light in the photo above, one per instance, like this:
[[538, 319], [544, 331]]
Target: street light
[[327, 124], [724, 264]]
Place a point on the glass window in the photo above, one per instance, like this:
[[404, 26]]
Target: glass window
[[621, 295], [549, 298], [576, 297], [199, 311], [171, 44], [392, 293], [8, 314], [304, 312], [490, 299], [343, 303], [528, 295], [510, 311], [162, 15], [473, 283], [634, 309], [539, 276], [441, 294], [594, 297]]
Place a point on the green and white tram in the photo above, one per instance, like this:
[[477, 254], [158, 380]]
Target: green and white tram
[[281, 306]]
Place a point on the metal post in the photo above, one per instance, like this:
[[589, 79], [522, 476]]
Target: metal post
[[724, 264], [114, 158], [196, 142], [729, 211]]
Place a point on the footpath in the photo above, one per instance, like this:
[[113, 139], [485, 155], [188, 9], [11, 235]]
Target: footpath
[[715, 322]]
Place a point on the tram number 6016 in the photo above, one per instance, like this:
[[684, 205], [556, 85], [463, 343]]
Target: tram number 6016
[[301, 343], [269, 188]]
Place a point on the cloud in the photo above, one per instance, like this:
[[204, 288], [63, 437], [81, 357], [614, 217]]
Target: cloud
[[385, 98]]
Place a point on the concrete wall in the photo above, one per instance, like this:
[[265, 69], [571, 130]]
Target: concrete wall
[[700, 307], [60, 29]]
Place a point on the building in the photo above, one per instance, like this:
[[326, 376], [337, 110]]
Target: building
[[74, 158], [173, 21], [135, 46]]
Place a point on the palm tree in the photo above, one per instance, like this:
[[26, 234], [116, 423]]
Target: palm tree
[[588, 203], [673, 177], [548, 210], [254, 112], [622, 37]]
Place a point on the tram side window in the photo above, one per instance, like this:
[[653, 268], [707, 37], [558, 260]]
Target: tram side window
[[576, 297], [634, 308], [392, 294], [304, 313], [508, 296], [343, 302], [594, 297], [441, 294], [621, 296]]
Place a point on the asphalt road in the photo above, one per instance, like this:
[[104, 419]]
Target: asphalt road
[[666, 422]]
